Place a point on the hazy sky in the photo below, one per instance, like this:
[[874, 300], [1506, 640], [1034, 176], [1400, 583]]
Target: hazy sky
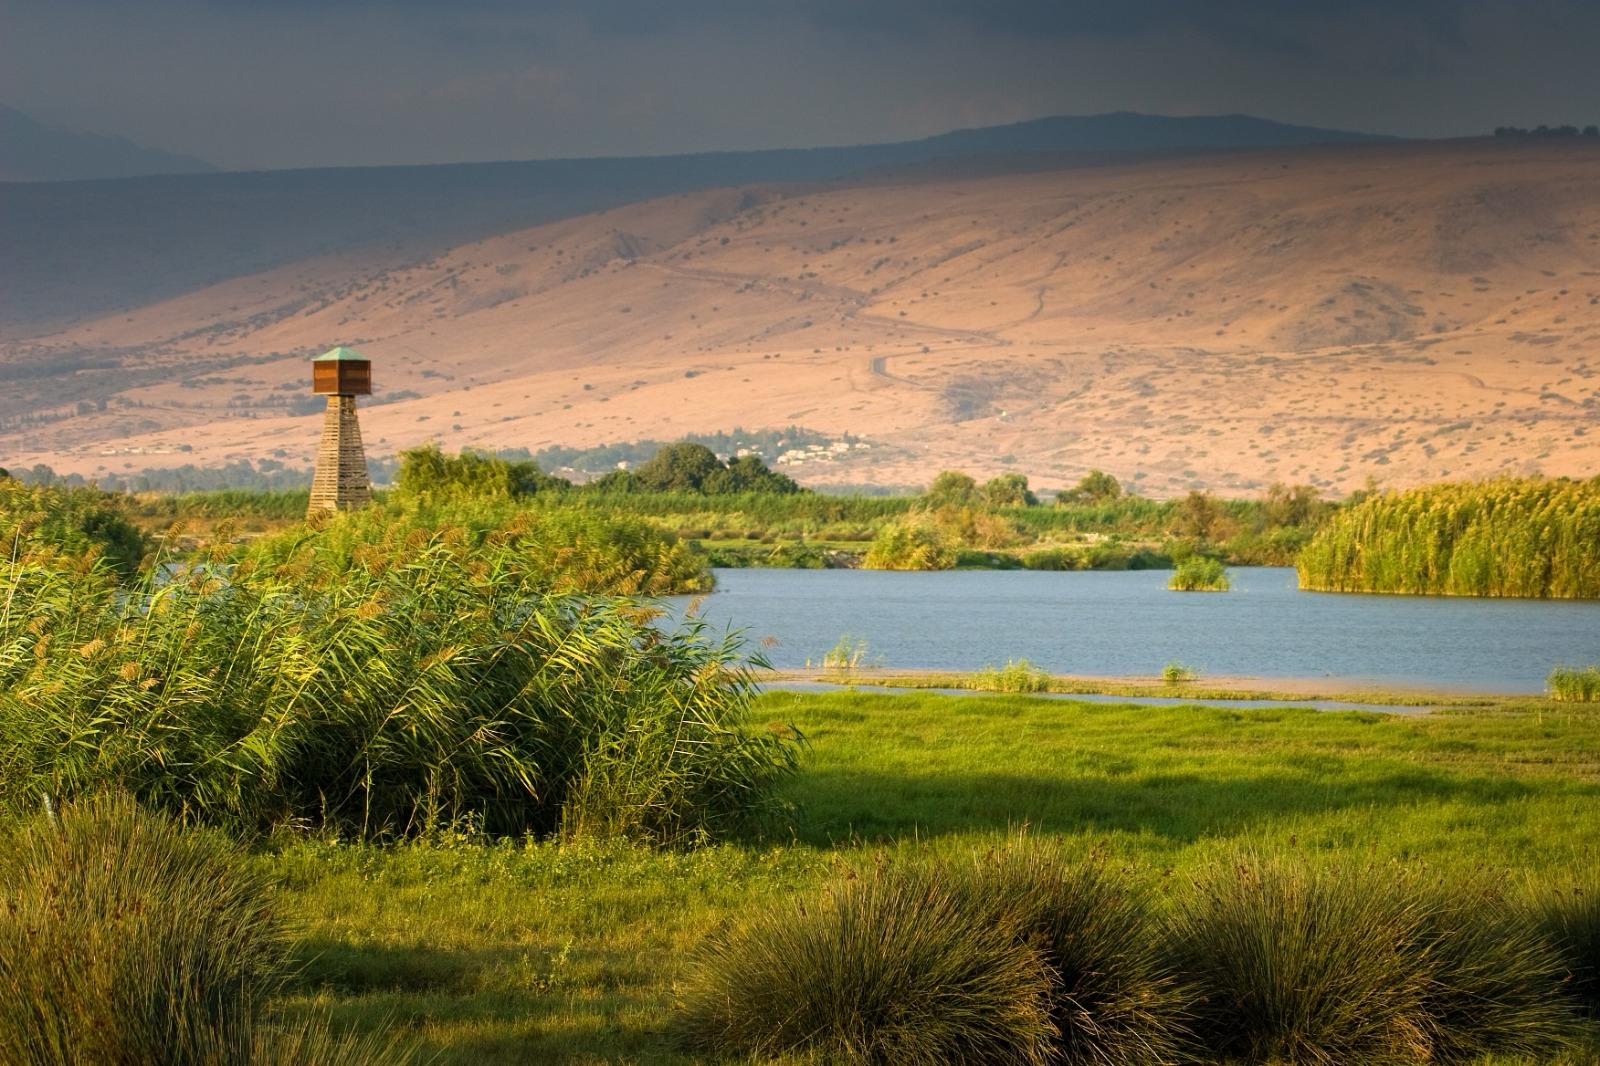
[[273, 83]]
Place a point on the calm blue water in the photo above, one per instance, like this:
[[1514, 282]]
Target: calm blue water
[[1128, 622]]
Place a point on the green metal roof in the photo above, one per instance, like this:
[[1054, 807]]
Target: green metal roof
[[339, 355]]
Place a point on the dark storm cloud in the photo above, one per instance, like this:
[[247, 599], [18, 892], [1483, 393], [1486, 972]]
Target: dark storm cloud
[[295, 82]]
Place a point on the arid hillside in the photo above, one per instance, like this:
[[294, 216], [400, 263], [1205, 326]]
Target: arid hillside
[[1409, 312]]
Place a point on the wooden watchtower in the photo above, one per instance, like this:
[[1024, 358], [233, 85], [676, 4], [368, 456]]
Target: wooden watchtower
[[340, 482]]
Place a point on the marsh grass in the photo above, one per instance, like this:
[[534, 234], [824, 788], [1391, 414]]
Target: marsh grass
[[1503, 537]]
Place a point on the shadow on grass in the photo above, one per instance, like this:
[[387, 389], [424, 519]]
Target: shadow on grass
[[486, 1005], [839, 805]]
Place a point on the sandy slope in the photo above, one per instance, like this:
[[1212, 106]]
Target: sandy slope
[[1408, 312]]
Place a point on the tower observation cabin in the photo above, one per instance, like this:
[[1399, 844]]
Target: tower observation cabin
[[340, 482]]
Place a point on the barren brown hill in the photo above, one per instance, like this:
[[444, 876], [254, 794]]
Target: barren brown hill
[[1410, 312]]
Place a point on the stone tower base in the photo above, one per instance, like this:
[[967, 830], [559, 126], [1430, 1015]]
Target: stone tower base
[[340, 483]]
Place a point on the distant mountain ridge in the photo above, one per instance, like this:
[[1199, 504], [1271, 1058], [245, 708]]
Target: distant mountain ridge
[[90, 248], [30, 150]]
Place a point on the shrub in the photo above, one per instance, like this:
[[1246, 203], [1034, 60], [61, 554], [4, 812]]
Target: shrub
[[1572, 685], [74, 521], [1113, 1000], [1017, 675], [845, 657], [910, 544], [1199, 574], [127, 939], [889, 966]]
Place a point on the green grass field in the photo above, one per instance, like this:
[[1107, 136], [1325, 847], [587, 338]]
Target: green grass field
[[537, 952]]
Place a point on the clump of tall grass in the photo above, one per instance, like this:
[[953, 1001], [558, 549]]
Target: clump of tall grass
[[1298, 963], [1176, 673], [891, 965], [1506, 537], [847, 656], [1113, 1000], [1017, 675], [914, 543], [1568, 910], [1494, 980], [1570, 684], [1199, 573], [431, 681], [125, 938]]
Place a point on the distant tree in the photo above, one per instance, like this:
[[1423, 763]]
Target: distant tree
[[615, 481], [4, 473], [1292, 506], [1591, 131], [680, 467], [953, 487], [747, 473], [1200, 517], [1096, 486], [1008, 490]]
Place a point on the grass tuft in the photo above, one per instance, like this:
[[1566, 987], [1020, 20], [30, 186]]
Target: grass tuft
[[890, 965], [126, 938], [1113, 1000], [1569, 914], [1301, 965]]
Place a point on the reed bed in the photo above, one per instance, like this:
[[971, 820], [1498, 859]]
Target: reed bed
[[1200, 574], [377, 688], [1508, 537], [1571, 684]]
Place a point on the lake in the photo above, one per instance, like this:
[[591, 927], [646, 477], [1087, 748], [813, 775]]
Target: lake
[[1129, 623]]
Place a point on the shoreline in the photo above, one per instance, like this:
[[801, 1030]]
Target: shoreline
[[1242, 689]]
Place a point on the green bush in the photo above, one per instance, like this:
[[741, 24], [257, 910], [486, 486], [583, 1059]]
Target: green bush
[[127, 939], [910, 544], [1113, 1000], [892, 965], [1199, 574], [73, 521], [427, 681]]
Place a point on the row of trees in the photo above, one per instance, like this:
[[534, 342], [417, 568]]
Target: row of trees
[[1546, 131]]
